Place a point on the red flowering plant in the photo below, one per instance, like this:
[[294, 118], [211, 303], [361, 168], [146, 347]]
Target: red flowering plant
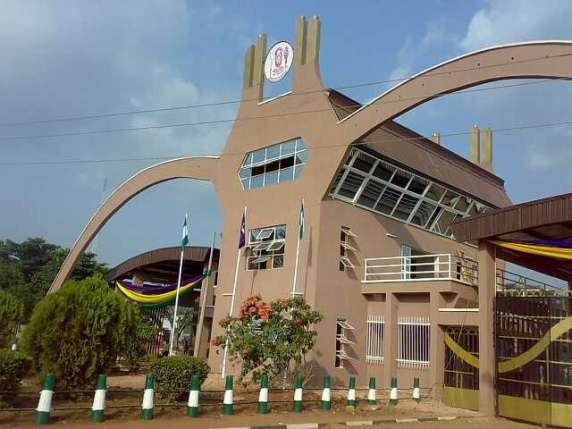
[[271, 338]]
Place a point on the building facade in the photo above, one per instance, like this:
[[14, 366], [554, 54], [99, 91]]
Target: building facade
[[378, 258]]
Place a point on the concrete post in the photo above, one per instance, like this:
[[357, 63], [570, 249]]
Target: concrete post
[[475, 145], [487, 360], [437, 350], [390, 339]]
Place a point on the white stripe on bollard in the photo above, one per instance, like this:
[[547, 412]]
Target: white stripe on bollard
[[45, 402], [99, 400], [326, 394], [147, 399], [263, 396], [194, 398], [298, 394], [227, 397], [371, 396]]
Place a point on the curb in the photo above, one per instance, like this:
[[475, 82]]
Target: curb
[[353, 423]]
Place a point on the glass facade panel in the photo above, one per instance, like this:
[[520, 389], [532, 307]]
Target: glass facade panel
[[371, 193], [266, 247], [274, 164], [401, 194]]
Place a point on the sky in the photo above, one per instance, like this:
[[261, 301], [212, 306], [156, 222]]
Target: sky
[[75, 58]]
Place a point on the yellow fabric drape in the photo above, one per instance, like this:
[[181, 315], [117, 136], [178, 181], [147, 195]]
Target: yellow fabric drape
[[154, 299], [533, 249]]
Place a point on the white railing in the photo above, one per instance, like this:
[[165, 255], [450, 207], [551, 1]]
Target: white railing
[[443, 266]]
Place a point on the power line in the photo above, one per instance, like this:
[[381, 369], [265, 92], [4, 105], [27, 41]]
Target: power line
[[236, 101], [242, 153], [278, 115]]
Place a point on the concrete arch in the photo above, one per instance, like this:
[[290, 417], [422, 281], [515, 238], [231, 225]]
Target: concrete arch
[[199, 168], [531, 60]]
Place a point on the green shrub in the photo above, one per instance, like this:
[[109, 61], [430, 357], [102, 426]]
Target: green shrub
[[13, 367], [78, 332], [11, 312], [173, 375], [137, 345]]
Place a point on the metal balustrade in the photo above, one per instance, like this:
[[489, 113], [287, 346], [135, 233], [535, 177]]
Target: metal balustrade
[[428, 267], [513, 284]]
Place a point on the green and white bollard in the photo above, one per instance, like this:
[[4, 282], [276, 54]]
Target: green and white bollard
[[371, 393], [327, 394], [193, 404], [227, 408], [45, 402], [97, 409], [416, 391], [147, 405], [262, 407], [352, 392], [393, 391], [298, 394]]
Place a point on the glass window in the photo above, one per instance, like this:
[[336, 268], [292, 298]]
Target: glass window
[[257, 181], [351, 185], [388, 201], [405, 207], [287, 174], [273, 164], [417, 185], [267, 248], [401, 179], [371, 193], [423, 213], [364, 162], [402, 194], [383, 171]]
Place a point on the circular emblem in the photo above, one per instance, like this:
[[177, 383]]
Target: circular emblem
[[278, 61]]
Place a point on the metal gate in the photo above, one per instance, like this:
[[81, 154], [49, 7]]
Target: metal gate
[[461, 379], [534, 358]]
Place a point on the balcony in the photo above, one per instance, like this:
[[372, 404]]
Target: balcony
[[442, 268]]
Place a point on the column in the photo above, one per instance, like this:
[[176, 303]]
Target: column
[[487, 359], [437, 351], [390, 339]]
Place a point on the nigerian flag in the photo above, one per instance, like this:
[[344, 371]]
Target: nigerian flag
[[301, 221], [185, 238]]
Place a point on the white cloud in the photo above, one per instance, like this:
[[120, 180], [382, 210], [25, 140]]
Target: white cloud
[[66, 59], [507, 21]]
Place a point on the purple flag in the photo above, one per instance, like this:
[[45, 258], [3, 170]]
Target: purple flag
[[242, 239]]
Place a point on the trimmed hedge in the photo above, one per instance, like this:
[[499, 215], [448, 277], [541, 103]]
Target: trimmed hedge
[[173, 375], [78, 332], [13, 368]]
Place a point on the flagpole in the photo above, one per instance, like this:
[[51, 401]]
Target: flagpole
[[294, 293], [205, 292], [231, 311], [174, 324], [240, 245]]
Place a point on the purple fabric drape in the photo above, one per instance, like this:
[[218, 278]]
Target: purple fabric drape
[[567, 244], [153, 289]]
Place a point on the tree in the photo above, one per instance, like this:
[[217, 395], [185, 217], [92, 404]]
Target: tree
[[269, 338], [11, 311], [28, 268], [78, 332]]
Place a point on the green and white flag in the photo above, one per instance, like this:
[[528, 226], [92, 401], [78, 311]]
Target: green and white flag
[[301, 221], [185, 238]]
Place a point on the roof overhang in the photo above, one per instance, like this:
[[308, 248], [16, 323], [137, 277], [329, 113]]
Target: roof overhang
[[163, 263], [544, 219]]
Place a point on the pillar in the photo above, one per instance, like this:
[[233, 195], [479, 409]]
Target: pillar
[[390, 339], [475, 145], [487, 359], [437, 349]]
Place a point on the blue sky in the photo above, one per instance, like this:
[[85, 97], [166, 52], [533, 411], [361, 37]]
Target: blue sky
[[63, 58]]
